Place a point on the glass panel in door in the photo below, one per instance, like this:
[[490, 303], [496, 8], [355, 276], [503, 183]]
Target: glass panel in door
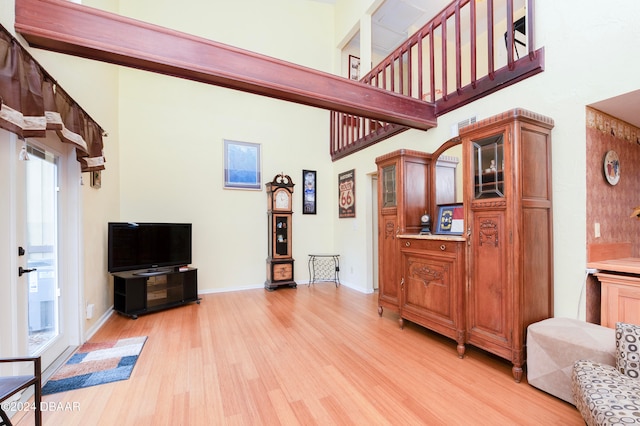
[[389, 186], [42, 248], [488, 167]]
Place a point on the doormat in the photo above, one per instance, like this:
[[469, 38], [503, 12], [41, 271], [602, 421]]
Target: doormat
[[95, 364]]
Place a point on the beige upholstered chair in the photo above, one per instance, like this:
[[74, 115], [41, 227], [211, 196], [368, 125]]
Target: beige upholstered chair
[[10, 385]]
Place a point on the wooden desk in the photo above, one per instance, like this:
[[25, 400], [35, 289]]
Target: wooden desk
[[620, 284]]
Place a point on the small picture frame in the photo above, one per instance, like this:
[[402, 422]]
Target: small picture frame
[[242, 165], [450, 219], [309, 192], [354, 67], [96, 179]]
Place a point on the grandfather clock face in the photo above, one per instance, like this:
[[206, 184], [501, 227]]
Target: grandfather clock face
[[282, 200]]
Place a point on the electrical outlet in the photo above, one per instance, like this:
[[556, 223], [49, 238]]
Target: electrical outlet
[[90, 307], [597, 229]]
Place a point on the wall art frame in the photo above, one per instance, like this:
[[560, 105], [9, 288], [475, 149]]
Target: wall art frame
[[242, 165], [347, 194], [96, 179], [309, 193], [354, 67]]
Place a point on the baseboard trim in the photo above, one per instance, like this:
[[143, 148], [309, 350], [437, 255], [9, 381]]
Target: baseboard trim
[[97, 325], [300, 283]]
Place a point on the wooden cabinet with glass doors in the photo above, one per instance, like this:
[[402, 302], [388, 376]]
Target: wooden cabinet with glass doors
[[508, 211], [404, 188]]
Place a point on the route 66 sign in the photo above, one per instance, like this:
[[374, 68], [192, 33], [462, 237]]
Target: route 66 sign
[[347, 194]]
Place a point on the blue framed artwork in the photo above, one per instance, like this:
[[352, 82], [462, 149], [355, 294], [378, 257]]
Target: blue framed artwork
[[309, 197], [450, 219], [242, 165]]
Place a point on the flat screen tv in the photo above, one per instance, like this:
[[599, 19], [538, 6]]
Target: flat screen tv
[[149, 247]]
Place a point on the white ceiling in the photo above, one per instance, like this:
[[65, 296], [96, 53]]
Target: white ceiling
[[395, 20], [625, 107]]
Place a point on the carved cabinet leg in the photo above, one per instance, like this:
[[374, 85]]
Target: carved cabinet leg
[[461, 338], [380, 310], [517, 373]]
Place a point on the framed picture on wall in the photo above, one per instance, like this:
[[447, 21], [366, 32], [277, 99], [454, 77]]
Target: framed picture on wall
[[354, 67], [347, 194], [450, 219], [242, 165], [309, 192], [96, 179]]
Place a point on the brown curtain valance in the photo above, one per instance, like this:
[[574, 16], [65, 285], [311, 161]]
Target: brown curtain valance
[[31, 103]]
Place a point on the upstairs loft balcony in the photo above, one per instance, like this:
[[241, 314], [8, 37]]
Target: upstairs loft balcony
[[469, 50]]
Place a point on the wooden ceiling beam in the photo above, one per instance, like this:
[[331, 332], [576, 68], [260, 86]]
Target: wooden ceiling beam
[[74, 29]]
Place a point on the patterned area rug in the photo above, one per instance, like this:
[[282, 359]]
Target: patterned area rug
[[95, 364]]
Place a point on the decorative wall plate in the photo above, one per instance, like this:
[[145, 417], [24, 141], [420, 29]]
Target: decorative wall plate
[[612, 167]]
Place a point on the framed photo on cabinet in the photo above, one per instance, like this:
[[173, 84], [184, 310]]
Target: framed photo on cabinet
[[309, 192], [242, 165], [450, 219]]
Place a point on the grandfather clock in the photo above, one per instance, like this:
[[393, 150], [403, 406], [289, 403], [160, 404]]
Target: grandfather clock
[[279, 205]]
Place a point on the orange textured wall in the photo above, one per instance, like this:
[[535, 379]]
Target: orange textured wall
[[611, 205]]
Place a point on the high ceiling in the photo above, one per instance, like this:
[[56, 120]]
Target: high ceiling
[[395, 20]]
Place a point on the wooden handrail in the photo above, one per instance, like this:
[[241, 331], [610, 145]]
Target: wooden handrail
[[448, 89]]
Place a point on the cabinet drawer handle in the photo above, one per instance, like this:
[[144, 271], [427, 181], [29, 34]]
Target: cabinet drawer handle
[[408, 244], [443, 247]]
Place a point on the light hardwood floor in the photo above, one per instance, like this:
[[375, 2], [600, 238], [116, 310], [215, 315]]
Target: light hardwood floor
[[311, 355]]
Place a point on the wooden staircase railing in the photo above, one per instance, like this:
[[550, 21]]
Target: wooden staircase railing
[[471, 49]]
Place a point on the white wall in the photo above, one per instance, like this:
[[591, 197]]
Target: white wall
[[292, 30], [172, 170], [172, 134]]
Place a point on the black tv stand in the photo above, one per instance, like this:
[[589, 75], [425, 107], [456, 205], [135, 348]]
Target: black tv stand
[[152, 272], [141, 292]]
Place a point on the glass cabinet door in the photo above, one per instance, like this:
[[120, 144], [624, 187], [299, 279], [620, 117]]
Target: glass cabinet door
[[389, 186], [488, 167], [281, 236]]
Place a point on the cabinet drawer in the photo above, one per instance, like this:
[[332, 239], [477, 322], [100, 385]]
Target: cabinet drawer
[[429, 245]]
